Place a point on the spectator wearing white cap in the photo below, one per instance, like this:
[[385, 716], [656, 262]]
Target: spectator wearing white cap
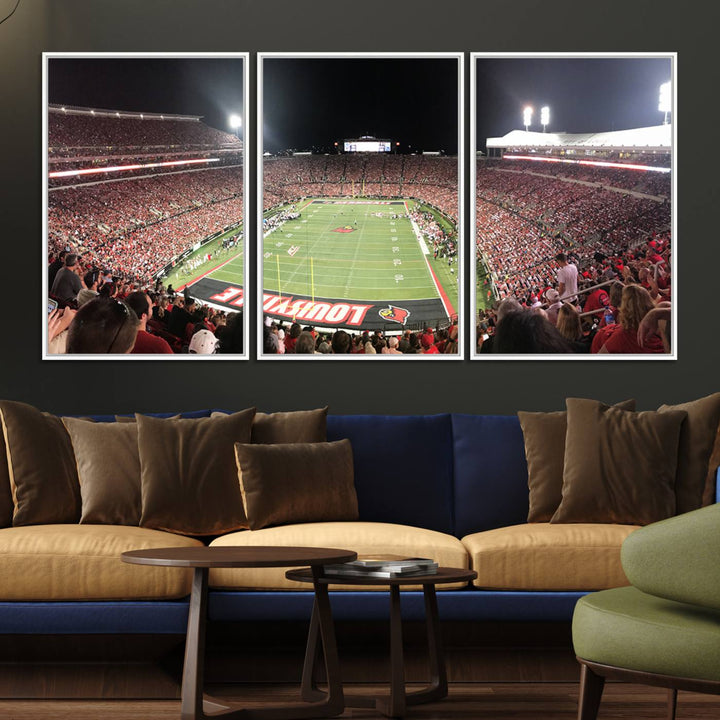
[[552, 297], [203, 342], [392, 346]]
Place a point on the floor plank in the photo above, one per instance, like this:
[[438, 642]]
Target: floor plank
[[476, 701]]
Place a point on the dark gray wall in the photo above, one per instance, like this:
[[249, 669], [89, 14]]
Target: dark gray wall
[[323, 25]]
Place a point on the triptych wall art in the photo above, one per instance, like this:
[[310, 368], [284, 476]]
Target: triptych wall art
[[358, 236]]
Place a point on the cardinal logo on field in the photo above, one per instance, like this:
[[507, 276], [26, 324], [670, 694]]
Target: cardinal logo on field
[[344, 229], [394, 314]]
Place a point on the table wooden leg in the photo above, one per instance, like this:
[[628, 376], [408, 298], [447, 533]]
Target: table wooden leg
[[195, 707], [398, 700], [193, 670], [335, 703], [394, 706], [308, 687], [438, 687]]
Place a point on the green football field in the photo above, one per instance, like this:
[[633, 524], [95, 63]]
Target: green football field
[[180, 276], [356, 251]]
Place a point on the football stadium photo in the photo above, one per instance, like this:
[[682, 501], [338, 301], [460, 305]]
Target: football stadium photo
[[361, 234], [144, 201], [573, 207]]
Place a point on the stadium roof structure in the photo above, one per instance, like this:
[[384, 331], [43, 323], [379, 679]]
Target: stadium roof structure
[[73, 110], [657, 138]]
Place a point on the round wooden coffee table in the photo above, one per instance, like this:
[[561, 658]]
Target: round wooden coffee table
[[395, 704], [201, 559]]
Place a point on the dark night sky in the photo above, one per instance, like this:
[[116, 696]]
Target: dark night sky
[[211, 87], [583, 94], [314, 102], [318, 101]]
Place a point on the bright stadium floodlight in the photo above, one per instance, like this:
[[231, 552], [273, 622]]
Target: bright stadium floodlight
[[527, 117], [665, 101], [545, 117], [235, 123]]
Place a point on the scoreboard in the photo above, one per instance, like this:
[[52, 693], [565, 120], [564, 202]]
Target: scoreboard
[[372, 145]]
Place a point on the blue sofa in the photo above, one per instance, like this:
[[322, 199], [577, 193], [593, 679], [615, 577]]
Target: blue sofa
[[455, 474]]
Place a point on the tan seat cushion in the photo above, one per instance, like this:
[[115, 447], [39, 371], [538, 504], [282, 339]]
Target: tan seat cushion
[[365, 538], [544, 556], [82, 562]]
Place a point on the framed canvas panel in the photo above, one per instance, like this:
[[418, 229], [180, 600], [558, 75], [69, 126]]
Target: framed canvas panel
[[574, 212], [144, 200], [360, 222]]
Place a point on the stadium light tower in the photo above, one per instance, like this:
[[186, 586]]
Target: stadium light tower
[[527, 117], [236, 123], [665, 101], [545, 117]]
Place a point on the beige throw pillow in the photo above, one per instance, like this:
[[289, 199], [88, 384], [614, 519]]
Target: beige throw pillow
[[188, 474], [108, 466], [297, 483], [697, 439], [297, 426], [41, 466], [544, 435], [619, 466]]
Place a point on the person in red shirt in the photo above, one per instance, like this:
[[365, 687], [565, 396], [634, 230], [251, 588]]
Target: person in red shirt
[[428, 346], [636, 303], [597, 300], [145, 342], [292, 337]]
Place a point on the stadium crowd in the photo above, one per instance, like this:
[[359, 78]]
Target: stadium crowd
[[95, 314], [617, 305], [71, 133], [524, 219], [136, 227], [649, 182], [432, 179], [293, 339]]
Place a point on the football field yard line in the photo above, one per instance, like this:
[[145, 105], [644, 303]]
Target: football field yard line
[[425, 252], [297, 265], [311, 253], [351, 274], [449, 309]]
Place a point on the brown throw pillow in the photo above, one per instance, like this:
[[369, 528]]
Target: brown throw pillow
[[108, 466], [697, 438], [544, 435], [41, 466], [298, 426], [297, 483], [6, 500], [619, 466], [188, 473]]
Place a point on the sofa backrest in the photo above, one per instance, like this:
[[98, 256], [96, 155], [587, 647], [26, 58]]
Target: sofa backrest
[[457, 474], [403, 467], [189, 414], [490, 482]]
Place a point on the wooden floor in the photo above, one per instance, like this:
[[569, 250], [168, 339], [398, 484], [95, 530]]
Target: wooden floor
[[476, 701]]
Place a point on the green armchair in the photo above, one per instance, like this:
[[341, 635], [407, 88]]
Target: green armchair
[[664, 629]]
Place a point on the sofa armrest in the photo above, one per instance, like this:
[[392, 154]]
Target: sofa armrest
[[677, 558]]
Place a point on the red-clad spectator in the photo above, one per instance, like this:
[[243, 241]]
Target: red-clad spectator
[[635, 305], [597, 300], [145, 342]]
